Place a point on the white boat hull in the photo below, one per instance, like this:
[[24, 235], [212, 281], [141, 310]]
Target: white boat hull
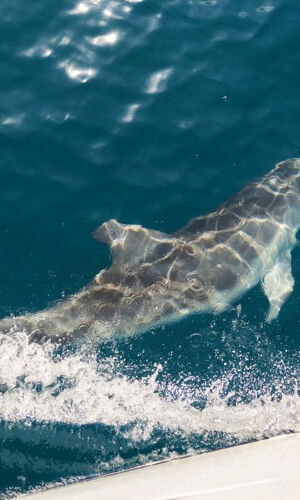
[[260, 470]]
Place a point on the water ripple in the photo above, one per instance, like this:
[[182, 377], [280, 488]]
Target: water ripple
[[157, 81], [108, 39], [81, 75], [130, 113], [79, 9]]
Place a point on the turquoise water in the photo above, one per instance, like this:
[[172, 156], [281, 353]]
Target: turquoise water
[[152, 113]]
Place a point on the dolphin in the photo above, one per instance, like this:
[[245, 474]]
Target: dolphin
[[205, 266]]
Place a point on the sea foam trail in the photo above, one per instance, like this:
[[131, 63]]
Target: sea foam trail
[[39, 385]]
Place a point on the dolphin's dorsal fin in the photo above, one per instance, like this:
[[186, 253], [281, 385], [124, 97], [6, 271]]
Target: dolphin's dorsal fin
[[109, 232], [132, 245]]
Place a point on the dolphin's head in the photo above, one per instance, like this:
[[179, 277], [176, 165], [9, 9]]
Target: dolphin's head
[[288, 172], [286, 205]]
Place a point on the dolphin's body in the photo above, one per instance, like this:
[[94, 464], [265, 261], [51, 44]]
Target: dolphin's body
[[205, 266]]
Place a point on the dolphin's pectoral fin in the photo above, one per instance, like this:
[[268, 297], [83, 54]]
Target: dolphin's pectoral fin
[[278, 285]]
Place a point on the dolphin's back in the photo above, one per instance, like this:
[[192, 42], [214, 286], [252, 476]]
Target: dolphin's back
[[274, 195], [246, 232]]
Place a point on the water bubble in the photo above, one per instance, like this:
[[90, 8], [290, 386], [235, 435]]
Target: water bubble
[[195, 340], [265, 8], [208, 2], [36, 336], [83, 329], [42, 324], [3, 388], [196, 284], [22, 480]]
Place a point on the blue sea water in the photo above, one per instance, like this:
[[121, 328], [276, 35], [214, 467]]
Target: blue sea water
[[151, 113]]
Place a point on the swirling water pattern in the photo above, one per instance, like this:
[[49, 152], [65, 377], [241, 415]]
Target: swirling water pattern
[[151, 113]]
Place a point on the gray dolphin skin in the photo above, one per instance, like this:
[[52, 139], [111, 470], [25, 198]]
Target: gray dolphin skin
[[205, 266]]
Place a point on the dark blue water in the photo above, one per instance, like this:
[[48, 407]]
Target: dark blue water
[[152, 113]]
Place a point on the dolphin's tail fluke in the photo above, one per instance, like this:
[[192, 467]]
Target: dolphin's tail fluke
[[37, 326], [14, 323]]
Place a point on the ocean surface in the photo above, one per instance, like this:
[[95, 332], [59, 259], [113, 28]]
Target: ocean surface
[[150, 112]]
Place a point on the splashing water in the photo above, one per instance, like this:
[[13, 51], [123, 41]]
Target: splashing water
[[40, 384], [100, 409]]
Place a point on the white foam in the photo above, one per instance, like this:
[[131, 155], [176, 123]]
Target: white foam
[[40, 386]]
